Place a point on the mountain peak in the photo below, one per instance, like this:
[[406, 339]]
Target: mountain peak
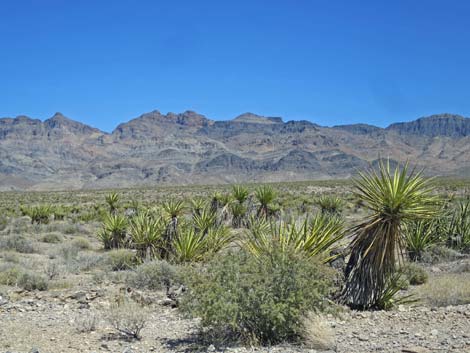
[[256, 119]]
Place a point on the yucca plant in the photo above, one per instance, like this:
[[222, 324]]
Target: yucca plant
[[204, 220], [39, 214], [265, 195], [314, 238], [192, 245], [189, 246], [458, 229], [173, 209], [393, 198], [419, 236], [113, 232], [198, 204], [238, 211], [146, 233], [389, 297], [240, 193], [330, 204], [112, 200]]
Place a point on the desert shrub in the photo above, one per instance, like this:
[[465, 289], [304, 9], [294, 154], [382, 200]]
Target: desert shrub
[[9, 275], [439, 253], [414, 274], [52, 270], [76, 261], [32, 281], [154, 275], [18, 243], [10, 256], [85, 322], [81, 243], [3, 223], [52, 238], [121, 259], [317, 333], [257, 299], [127, 317]]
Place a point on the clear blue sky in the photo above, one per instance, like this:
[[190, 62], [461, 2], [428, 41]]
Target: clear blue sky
[[331, 62]]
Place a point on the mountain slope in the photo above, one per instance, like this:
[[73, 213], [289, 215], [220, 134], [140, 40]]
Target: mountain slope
[[183, 148]]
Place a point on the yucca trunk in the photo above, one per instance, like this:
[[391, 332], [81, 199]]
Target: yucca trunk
[[374, 257]]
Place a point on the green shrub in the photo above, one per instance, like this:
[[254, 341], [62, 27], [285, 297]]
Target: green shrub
[[414, 274], [32, 281], [18, 243], [439, 253], [122, 259], [52, 238], [257, 299], [81, 243], [154, 275], [9, 276], [3, 223]]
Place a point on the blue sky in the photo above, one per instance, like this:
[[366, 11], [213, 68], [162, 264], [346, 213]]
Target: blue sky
[[332, 62]]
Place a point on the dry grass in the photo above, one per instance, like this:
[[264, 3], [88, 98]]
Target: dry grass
[[446, 289], [318, 334]]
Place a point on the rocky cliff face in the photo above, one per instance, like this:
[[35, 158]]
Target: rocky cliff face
[[60, 153]]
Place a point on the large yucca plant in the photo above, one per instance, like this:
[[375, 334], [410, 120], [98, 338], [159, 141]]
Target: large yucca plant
[[173, 209], [392, 197], [240, 193]]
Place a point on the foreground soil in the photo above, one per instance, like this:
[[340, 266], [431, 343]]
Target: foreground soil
[[46, 322]]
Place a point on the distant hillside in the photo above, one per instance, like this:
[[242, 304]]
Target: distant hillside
[[185, 148]]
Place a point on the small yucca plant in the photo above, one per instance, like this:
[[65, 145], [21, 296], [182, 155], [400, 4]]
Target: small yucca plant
[[112, 200], [240, 193], [314, 238], [113, 232], [419, 236], [146, 233], [265, 195], [330, 204]]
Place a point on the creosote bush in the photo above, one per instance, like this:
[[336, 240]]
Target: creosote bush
[[122, 259], [259, 300], [128, 318], [153, 275]]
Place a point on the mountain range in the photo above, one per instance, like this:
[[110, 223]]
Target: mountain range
[[188, 148]]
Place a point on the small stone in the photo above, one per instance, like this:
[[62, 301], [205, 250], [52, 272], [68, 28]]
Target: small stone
[[434, 332], [211, 348], [415, 350], [34, 350]]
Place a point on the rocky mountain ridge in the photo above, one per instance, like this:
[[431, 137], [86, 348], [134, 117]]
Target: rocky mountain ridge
[[156, 148]]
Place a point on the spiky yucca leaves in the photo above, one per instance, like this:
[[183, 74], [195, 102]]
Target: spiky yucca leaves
[[265, 195], [314, 238], [39, 214], [197, 204], [113, 232], [240, 193], [419, 236], [458, 228], [392, 198], [238, 208], [205, 220], [146, 233], [238, 211], [112, 200], [330, 204], [192, 245]]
